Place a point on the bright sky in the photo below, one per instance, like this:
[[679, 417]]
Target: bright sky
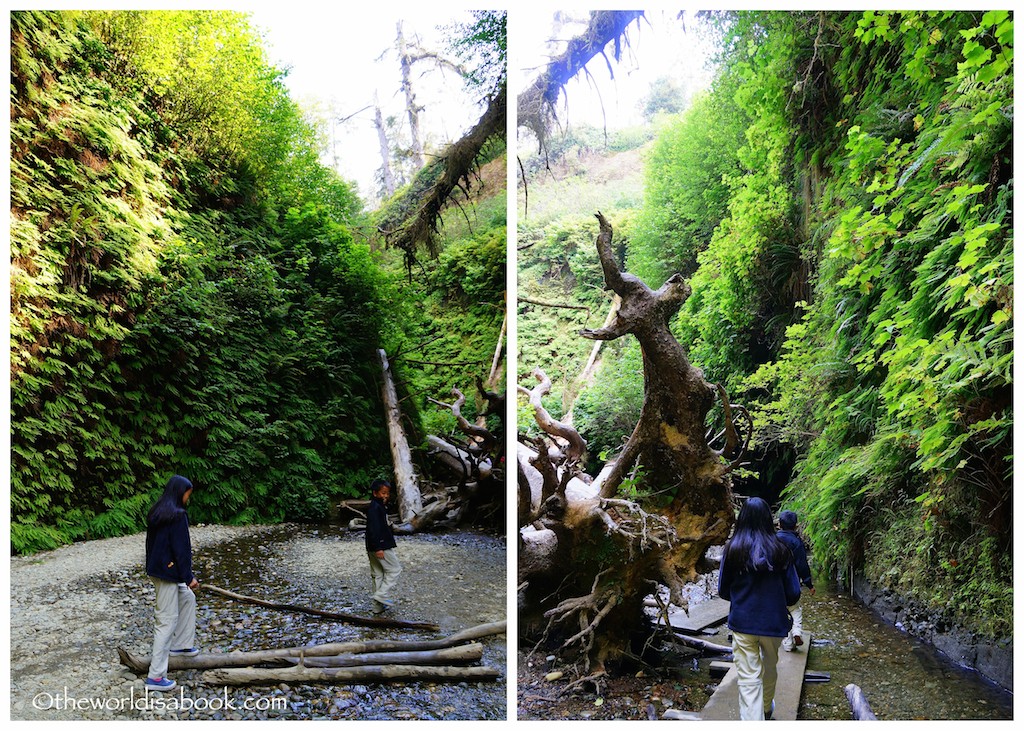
[[662, 45], [336, 63], [337, 66]]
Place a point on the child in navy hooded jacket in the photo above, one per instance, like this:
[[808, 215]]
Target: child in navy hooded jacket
[[169, 566], [758, 578]]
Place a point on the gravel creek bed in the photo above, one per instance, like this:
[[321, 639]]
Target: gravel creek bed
[[73, 607]]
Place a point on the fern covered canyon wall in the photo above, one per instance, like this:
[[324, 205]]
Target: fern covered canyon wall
[[840, 202], [192, 291], [858, 289]]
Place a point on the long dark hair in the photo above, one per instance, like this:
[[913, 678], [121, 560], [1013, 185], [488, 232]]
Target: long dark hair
[[171, 504], [754, 546]]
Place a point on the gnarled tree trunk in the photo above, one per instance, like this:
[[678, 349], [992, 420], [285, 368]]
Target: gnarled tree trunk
[[589, 557], [670, 438]]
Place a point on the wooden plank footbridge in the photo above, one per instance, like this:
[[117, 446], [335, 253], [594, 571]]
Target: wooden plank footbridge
[[724, 703]]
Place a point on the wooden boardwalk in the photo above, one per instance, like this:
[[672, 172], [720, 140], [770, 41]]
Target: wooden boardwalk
[[724, 705], [709, 613], [706, 614]]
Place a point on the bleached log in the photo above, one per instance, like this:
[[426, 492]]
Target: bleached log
[[363, 674], [464, 654], [428, 516], [701, 644], [859, 704], [406, 485], [459, 460], [587, 374], [140, 663]]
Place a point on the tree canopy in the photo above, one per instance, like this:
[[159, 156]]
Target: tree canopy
[[191, 290]]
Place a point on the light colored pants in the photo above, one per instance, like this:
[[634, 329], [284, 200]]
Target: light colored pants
[[175, 623], [797, 613], [755, 658], [384, 574]]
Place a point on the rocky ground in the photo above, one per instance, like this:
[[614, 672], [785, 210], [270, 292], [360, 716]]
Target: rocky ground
[[72, 608]]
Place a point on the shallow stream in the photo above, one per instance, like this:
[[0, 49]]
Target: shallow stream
[[901, 678], [456, 580]]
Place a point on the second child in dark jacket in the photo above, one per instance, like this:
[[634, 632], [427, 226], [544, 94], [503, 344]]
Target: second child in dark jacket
[[169, 566], [788, 535], [380, 548]]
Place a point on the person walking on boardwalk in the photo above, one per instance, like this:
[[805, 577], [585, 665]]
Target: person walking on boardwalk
[[788, 535], [169, 566], [758, 578], [380, 548]]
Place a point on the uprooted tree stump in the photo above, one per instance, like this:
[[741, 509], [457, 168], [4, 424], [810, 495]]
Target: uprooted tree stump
[[474, 461], [588, 559]]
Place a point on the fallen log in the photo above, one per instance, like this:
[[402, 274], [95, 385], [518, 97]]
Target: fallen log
[[363, 674], [458, 459], [859, 704], [430, 514], [407, 487], [340, 616], [204, 661], [702, 644], [464, 654]]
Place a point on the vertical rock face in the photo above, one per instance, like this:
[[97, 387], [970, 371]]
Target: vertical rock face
[[991, 657]]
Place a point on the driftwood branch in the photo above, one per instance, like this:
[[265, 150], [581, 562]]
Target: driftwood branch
[[480, 436], [555, 305], [732, 449], [859, 704], [701, 644], [281, 655], [340, 616], [363, 674], [576, 445]]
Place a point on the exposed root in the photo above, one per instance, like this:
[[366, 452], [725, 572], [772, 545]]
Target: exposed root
[[596, 679], [597, 604], [640, 528], [732, 449]]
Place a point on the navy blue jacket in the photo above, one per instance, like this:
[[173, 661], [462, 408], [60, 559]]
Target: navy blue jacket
[[169, 550], [796, 545], [378, 533], [758, 599]]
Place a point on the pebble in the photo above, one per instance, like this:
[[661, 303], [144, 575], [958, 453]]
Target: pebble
[[59, 600]]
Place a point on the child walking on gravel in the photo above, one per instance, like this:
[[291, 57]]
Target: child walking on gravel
[[380, 548], [169, 566]]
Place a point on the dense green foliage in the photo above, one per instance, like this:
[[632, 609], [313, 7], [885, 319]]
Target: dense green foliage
[[857, 287], [452, 316], [483, 46], [557, 263], [191, 290]]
